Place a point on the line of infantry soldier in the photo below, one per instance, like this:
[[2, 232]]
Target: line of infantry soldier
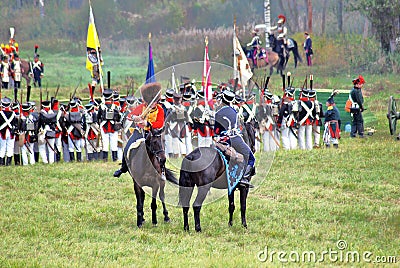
[[28, 132]]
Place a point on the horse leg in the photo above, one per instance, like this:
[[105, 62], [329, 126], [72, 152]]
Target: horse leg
[[185, 193], [185, 218], [243, 198], [295, 59], [139, 204], [231, 199], [154, 205], [201, 195], [162, 198], [186, 187]]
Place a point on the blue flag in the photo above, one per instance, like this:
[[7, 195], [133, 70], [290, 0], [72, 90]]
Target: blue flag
[[150, 68]]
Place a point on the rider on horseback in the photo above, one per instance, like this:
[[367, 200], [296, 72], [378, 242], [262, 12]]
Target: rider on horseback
[[253, 44], [226, 126], [147, 118], [281, 31]]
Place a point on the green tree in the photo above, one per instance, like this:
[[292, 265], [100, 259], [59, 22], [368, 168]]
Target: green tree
[[383, 14]]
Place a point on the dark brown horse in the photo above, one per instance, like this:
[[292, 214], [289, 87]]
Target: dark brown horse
[[205, 168], [143, 153]]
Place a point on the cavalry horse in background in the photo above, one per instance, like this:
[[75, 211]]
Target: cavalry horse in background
[[205, 167], [142, 154], [291, 45], [262, 58]]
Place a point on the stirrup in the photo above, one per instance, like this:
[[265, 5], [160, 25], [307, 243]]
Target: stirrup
[[245, 182]]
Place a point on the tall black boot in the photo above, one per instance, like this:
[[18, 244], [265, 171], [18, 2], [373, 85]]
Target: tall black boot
[[105, 156], [71, 157], [8, 161], [79, 156], [123, 169], [17, 159], [2, 161], [245, 181], [36, 154], [114, 156]]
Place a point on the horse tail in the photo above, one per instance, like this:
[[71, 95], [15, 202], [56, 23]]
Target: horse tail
[[170, 176]]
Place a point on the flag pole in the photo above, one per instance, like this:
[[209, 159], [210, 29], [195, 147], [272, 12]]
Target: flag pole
[[205, 89], [97, 49]]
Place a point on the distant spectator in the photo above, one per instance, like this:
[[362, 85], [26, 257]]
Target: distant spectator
[[357, 107], [308, 48]]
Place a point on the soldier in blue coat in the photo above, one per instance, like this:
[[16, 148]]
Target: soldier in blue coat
[[332, 123], [226, 126]]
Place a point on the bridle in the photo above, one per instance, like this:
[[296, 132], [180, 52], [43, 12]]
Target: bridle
[[154, 134]]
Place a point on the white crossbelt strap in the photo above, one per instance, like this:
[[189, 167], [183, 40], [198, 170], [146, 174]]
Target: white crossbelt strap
[[37, 65], [251, 112], [7, 121], [308, 110]]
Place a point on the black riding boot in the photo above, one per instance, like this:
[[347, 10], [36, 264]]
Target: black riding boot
[[79, 156], [123, 169], [17, 159], [8, 161], [114, 156], [105, 156], [71, 157], [245, 181]]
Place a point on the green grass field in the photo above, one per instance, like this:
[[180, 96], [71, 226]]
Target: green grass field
[[78, 215]]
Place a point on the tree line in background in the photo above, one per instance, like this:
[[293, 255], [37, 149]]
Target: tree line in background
[[62, 24]]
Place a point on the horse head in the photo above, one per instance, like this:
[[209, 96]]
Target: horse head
[[154, 145]]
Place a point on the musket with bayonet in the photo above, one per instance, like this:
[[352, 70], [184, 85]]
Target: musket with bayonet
[[73, 95], [56, 93]]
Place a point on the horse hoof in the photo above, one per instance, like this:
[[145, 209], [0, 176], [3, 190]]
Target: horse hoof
[[198, 230], [167, 219], [244, 226], [230, 224], [154, 224], [140, 226], [186, 228]]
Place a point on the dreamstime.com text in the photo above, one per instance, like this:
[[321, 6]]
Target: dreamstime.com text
[[340, 254]]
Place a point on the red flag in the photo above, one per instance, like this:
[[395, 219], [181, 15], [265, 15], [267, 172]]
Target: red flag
[[206, 79]]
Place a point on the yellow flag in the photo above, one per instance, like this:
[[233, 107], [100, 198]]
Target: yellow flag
[[92, 43]]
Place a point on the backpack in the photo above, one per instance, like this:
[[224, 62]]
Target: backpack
[[348, 105]]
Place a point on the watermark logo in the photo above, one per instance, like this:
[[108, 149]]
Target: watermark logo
[[338, 254]]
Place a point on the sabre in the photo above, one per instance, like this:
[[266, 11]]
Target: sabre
[[148, 108]]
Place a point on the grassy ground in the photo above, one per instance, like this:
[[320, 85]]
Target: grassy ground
[[77, 215]]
